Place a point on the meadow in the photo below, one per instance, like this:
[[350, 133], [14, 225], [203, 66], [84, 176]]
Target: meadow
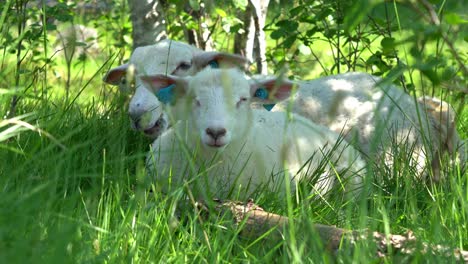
[[74, 186]]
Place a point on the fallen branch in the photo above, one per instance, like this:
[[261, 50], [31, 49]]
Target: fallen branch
[[255, 222]]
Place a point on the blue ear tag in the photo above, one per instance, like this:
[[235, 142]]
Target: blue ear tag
[[213, 64], [268, 106], [166, 94], [263, 94]]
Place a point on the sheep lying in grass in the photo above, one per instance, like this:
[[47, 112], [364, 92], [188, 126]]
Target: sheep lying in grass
[[164, 57], [226, 145], [377, 117], [351, 102], [444, 115]]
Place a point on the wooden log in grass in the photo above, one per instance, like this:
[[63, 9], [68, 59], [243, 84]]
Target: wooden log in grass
[[255, 222]]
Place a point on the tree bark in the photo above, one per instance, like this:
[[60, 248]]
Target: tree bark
[[259, 17], [244, 42], [252, 43], [255, 222], [201, 37], [148, 21]]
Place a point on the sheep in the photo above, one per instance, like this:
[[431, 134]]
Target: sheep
[[370, 113], [316, 100], [243, 148], [164, 57], [445, 127]]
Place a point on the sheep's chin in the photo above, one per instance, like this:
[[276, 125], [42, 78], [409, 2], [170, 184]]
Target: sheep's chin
[[216, 145], [156, 130], [211, 144]]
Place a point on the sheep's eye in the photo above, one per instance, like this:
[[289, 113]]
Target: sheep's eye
[[184, 66], [241, 100], [123, 80], [213, 64]]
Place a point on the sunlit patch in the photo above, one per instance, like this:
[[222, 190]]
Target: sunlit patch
[[340, 85]]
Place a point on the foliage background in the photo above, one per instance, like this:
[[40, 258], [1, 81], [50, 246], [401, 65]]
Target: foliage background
[[72, 173]]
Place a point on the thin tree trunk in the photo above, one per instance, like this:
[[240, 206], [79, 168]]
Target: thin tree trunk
[[244, 42], [200, 38], [148, 21], [260, 8], [252, 43]]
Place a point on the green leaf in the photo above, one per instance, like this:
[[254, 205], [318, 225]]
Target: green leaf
[[312, 31], [277, 34], [296, 11], [288, 25], [194, 5], [431, 75], [242, 4], [323, 13], [396, 72], [454, 19], [50, 26], [288, 42], [220, 12], [359, 10], [387, 43], [448, 73], [80, 44]]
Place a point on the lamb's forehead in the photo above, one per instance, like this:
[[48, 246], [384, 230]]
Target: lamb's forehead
[[209, 79], [162, 57]]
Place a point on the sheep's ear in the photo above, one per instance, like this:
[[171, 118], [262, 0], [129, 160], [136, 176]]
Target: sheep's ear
[[166, 87], [216, 59], [270, 90], [114, 75]]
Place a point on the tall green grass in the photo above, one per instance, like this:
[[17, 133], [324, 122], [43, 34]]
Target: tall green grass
[[73, 188], [78, 194]]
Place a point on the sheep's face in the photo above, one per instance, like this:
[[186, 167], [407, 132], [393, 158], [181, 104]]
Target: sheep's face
[[220, 106], [165, 57], [216, 102]]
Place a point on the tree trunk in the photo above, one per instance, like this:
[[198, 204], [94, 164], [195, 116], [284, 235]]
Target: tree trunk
[[244, 42], [148, 21], [259, 17], [200, 38], [251, 43]]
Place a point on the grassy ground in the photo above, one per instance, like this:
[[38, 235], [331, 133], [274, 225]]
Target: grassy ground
[[73, 189], [78, 195]]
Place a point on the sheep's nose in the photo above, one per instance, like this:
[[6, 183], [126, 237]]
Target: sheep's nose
[[135, 115], [216, 133]]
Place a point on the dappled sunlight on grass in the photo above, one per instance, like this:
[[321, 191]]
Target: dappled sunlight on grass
[[74, 184]]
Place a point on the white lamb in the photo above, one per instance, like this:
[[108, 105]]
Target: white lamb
[[240, 148], [377, 117], [164, 57]]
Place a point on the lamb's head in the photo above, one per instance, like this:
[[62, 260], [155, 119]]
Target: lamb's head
[[165, 57], [217, 102]]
